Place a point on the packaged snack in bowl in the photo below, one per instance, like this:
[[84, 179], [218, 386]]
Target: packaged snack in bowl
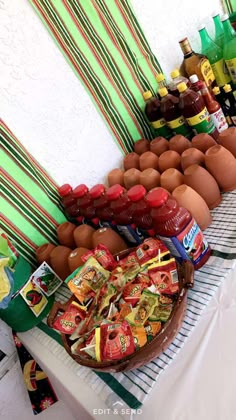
[[106, 294], [132, 293], [152, 328], [69, 320], [161, 313], [139, 336], [130, 266], [125, 309], [150, 249], [164, 276], [114, 341], [145, 307], [102, 255]]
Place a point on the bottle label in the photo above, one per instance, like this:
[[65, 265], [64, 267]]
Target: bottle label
[[207, 72], [219, 120], [202, 122], [231, 64], [161, 128], [130, 234], [189, 244], [179, 126], [158, 123], [221, 73]]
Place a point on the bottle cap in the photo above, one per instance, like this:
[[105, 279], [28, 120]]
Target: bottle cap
[[97, 190], [156, 197], [80, 190], [224, 17], [194, 78], [185, 46], [64, 190], [114, 192], [227, 88], [163, 92], [136, 193], [216, 90], [182, 87], [215, 13], [160, 77], [147, 95], [175, 73], [201, 26]]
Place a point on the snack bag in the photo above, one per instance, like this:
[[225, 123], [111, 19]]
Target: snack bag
[[107, 292], [164, 275], [139, 336], [144, 308], [102, 255], [69, 320], [125, 309], [132, 293], [114, 341], [6, 283], [161, 313], [130, 266], [150, 249], [152, 328]]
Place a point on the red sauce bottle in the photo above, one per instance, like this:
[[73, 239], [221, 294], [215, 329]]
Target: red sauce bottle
[[85, 205], [102, 206], [214, 110], [175, 226], [69, 201], [154, 116], [141, 210]]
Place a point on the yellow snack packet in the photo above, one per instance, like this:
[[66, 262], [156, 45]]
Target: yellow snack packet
[[141, 312]]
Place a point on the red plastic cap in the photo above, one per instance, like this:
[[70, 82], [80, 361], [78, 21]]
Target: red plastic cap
[[64, 190], [97, 190], [80, 190], [137, 192], [156, 197], [115, 192]]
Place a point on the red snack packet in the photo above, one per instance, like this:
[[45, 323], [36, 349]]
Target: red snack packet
[[68, 321], [114, 341], [165, 276], [132, 292], [149, 249], [102, 255]]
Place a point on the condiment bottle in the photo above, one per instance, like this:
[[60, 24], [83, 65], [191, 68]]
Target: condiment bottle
[[153, 113], [194, 63], [229, 50], [175, 226], [172, 114], [196, 84], [85, 205], [141, 210], [230, 99], [176, 80], [195, 112], [68, 201], [219, 31], [214, 110], [225, 107], [120, 204], [160, 78], [102, 206]]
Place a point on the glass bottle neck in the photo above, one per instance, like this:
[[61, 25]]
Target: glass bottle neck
[[229, 32], [206, 40], [218, 26]]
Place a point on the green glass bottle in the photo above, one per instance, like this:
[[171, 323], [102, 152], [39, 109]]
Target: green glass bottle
[[229, 51], [219, 31], [215, 55]]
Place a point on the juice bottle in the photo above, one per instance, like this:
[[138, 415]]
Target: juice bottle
[[194, 63], [172, 114], [153, 113], [215, 110], [215, 56], [219, 31], [68, 201], [176, 80], [194, 110], [141, 210], [229, 51], [230, 99], [85, 205], [177, 229], [121, 207], [225, 107], [160, 78], [102, 206]]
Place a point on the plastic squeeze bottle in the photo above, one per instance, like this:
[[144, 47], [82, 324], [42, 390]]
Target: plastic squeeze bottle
[[215, 110], [172, 114], [175, 226], [85, 205], [69, 201], [102, 206], [176, 80], [153, 113], [195, 112], [141, 210]]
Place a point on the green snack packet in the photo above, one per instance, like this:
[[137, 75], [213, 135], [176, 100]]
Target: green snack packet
[[145, 307]]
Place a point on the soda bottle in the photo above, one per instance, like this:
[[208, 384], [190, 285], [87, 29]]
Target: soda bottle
[[121, 207], [153, 113], [225, 107], [215, 56], [140, 210], [102, 206], [230, 100], [69, 201], [85, 205], [229, 51], [215, 110], [175, 226], [219, 31], [195, 112], [176, 80], [172, 114]]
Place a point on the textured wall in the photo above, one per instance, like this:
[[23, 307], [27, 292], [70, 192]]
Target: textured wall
[[45, 105]]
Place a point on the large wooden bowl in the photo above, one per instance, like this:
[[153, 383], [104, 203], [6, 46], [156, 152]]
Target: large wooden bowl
[[152, 349]]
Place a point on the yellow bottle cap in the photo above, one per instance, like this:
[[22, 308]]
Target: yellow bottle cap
[[160, 77], [216, 90], [227, 88], [163, 92], [182, 87], [147, 95], [175, 73]]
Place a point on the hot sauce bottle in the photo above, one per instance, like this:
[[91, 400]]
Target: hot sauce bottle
[[214, 110], [102, 206], [69, 201], [140, 210], [85, 205]]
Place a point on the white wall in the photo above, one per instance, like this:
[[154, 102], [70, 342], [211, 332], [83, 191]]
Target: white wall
[[43, 102]]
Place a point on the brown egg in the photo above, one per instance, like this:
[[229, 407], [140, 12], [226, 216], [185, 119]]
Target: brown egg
[[141, 146], [43, 253], [131, 178], [203, 142], [110, 239], [74, 259], [169, 159], [190, 157], [131, 160], [59, 261], [227, 139], [150, 178], [179, 143], [83, 235], [159, 145], [148, 160], [116, 176], [171, 178], [65, 234]]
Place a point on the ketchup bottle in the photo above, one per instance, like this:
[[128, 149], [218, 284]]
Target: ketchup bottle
[[215, 110], [69, 201], [85, 205], [195, 112], [175, 226], [102, 206], [141, 210], [121, 207]]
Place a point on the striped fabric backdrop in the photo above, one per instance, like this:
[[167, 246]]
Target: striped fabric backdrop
[[107, 50], [29, 201]]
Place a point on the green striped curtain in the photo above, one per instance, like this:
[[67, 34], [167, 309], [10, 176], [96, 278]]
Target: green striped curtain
[[105, 46], [29, 201]]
